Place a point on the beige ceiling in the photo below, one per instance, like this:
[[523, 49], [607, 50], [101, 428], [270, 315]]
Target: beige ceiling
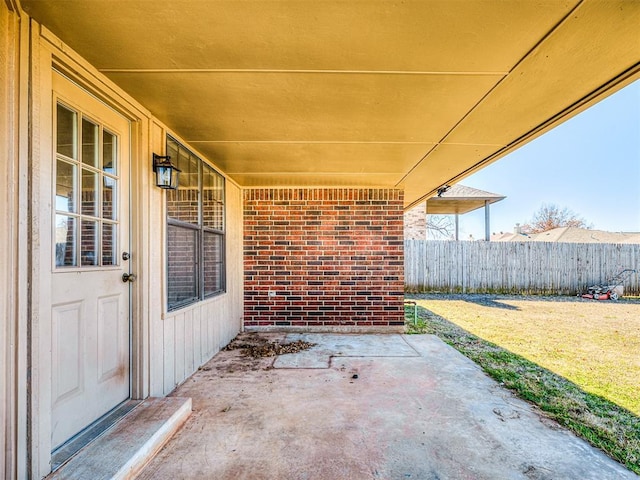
[[410, 94]]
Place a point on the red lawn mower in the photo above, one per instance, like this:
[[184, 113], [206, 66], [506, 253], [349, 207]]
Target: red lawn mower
[[612, 290]]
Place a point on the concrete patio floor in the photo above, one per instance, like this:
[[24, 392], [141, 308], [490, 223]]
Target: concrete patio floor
[[417, 410]]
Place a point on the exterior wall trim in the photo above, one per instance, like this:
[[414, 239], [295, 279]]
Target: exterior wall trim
[[14, 257]]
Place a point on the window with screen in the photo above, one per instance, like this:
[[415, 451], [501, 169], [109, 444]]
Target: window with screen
[[195, 230]]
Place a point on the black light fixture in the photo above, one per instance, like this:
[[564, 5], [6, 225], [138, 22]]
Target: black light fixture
[[443, 189], [166, 172]]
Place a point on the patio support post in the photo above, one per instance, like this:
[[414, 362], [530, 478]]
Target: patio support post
[[487, 229], [457, 227], [426, 222]]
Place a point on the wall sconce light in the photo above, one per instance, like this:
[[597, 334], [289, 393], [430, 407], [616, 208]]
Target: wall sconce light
[[166, 172], [443, 189]]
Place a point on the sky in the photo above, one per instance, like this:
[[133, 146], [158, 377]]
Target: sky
[[589, 164]]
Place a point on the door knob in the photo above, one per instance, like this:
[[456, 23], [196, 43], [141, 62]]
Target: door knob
[[128, 277]]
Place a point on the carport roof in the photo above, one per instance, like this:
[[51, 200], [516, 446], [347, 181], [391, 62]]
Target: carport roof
[[383, 94], [460, 199]]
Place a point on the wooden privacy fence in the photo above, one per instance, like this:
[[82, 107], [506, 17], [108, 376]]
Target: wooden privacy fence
[[511, 267]]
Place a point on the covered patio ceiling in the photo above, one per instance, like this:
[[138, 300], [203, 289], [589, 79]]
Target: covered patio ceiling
[[346, 93]]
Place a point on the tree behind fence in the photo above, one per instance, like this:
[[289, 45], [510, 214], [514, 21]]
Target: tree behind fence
[[512, 267]]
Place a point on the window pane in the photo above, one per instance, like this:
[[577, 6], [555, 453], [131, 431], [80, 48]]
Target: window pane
[[109, 198], [172, 150], [65, 241], [66, 132], [65, 186], [109, 153], [89, 243], [182, 282], [89, 143], [189, 165], [109, 244], [213, 256], [89, 204], [183, 204], [212, 199]]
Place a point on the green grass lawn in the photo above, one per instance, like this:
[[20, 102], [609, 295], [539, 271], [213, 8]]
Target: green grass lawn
[[578, 360]]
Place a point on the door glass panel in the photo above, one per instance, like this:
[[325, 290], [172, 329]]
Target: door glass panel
[[89, 193], [109, 153], [109, 244], [65, 235], [89, 143], [89, 243], [109, 198], [86, 175], [65, 186], [66, 132]]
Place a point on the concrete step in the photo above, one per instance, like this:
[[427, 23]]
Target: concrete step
[[124, 450]]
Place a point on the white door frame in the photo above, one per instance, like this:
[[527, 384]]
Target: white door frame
[[91, 348], [47, 53]]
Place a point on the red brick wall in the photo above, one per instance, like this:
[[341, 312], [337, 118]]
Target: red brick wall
[[333, 257]]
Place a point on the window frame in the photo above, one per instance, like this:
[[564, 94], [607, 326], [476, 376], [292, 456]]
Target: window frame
[[201, 230]]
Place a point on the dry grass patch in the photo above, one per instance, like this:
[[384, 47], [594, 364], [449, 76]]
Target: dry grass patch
[[253, 345]]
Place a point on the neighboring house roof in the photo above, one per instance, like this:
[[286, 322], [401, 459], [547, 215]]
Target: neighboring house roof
[[570, 235], [509, 237], [460, 199]]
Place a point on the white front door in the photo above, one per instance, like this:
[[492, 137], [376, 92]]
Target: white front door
[[90, 301]]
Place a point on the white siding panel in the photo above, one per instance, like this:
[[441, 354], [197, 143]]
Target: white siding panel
[[189, 363], [179, 345], [168, 356], [196, 335]]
